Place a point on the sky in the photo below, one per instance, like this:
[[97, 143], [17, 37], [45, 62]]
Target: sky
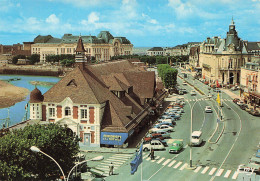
[[146, 23]]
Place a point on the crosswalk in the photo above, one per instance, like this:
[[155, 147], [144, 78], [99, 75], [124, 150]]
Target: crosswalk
[[200, 169], [117, 159]]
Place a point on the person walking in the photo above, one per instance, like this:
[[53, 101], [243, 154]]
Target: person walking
[[152, 154], [111, 167]]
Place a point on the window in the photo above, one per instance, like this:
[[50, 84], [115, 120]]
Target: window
[[67, 111], [84, 114], [51, 112]]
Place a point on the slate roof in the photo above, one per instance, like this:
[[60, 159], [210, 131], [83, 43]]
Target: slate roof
[[93, 85], [156, 49], [253, 46]]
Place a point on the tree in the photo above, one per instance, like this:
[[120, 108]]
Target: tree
[[34, 58], [18, 162], [168, 75], [15, 58], [67, 62]]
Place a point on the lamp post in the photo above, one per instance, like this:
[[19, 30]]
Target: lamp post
[[191, 132], [37, 150], [92, 159]]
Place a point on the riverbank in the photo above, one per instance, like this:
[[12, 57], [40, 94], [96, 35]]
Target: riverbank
[[10, 94], [38, 70]]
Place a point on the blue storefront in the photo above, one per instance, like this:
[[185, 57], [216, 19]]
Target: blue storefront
[[110, 138]]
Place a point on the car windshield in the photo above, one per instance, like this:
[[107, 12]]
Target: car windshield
[[174, 144]]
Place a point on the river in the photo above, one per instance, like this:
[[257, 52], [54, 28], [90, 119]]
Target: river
[[17, 111]]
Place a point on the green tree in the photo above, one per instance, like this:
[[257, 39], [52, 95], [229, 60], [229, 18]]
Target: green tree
[[168, 75], [34, 58], [67, 62], [15, 58], [18, 162]]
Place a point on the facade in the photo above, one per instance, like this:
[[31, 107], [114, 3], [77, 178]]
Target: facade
[[221, 59], [155, 51], [104, 104], [102, 47], [194, 60], [177, 50]]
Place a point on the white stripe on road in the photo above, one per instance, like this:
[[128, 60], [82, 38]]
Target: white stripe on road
[[183, 166], [212, 171], [197, 169], [124, 155], [113, 162], [116, 165], [171, 163], [177, 165], [166, 162], [227, 174], [205, 170], [145, 156], [156, 158], [219, 172], [160, 160], [149, 158], [116, 158], [235, 175], [101, 168]]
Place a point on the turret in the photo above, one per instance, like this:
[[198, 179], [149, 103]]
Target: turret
[[36, 99], [80, 54]]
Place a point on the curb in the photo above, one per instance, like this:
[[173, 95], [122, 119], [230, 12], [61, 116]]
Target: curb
[[95, 151]]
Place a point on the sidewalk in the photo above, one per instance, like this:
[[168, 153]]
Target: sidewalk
[[88, 149], [233, 95]]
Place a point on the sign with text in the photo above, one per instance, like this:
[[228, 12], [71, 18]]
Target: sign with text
[[111, 138]]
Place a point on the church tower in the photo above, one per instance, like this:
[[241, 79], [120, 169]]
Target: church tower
[[80, 54]]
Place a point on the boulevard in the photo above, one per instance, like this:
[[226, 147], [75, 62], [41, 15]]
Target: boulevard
[[224, 148]]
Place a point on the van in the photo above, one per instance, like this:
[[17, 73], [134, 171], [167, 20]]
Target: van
[[196, 139]]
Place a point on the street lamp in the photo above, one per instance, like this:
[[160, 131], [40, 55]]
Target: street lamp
[[92, 159], [37, 150], [191, 132]]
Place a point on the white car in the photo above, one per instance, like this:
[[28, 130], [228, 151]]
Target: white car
[[165, 128], [193, 93], [208, 109], [240, 103], [184, 83], [209, 96], [153, 144]]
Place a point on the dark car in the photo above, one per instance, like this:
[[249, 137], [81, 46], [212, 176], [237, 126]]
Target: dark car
[[243, 106], [254, 113], [236, 100]]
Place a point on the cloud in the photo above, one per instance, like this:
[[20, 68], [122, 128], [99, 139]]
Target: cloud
[[148, 19], [52, 19], [87, 3], [93, 17]]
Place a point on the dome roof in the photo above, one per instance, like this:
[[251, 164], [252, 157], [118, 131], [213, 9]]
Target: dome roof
[[36, 96]]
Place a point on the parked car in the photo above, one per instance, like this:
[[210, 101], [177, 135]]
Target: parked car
[[166, 123], [208, 109], [209, 96], [153, 144], [193, 93], [216, 90], [176, 147], [184, 83], [165, 128], [184, 90], [255, 113], [149, 137], [234, 88], [240, 103], [163, 133], [162, 141], [236, 100]]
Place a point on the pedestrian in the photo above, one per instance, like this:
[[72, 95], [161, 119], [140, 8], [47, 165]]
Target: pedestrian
[[111, 167], [152, 154]]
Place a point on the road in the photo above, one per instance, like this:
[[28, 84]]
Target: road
[[213, 160]]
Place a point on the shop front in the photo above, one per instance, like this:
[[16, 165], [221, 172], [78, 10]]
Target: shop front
[[113, 138]]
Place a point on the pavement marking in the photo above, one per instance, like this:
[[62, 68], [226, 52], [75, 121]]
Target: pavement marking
[[124, 155], [170, 141], [101, 168], [219, 172], [197, 169], [116, 158], [114, 162], [177, 165], [183, 166], [157, 157], [145, 156], [212, 171], [227, 173], [205, 170], [116, 165], [235, 175], [111, 160], [149, 158], [166, 162], [171, 164], [160, 160]]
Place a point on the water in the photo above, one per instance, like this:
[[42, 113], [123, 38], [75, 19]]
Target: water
[[17, 111]]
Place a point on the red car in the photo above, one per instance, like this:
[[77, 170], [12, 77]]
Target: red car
[[178, 105], [154, 135], [236, 100]]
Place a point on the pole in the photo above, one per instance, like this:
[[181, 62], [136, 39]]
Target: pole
[[142, 171], [55, 162]]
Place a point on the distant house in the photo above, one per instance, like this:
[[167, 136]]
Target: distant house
[[155, 51]]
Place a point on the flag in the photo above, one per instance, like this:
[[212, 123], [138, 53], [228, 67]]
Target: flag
[[137, 160], [218, 99]]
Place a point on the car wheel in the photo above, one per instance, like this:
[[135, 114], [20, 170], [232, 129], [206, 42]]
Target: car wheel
[[146, 149]]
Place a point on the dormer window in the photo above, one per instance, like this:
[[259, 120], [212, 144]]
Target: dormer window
[[67, 111]]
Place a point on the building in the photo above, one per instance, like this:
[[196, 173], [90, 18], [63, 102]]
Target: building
[[102, 47], [250, 82], [194, 60], [104, 104], [155, 51], [221, 59]]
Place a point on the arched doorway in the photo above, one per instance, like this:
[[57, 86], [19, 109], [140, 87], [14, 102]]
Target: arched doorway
[[231, 78]]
